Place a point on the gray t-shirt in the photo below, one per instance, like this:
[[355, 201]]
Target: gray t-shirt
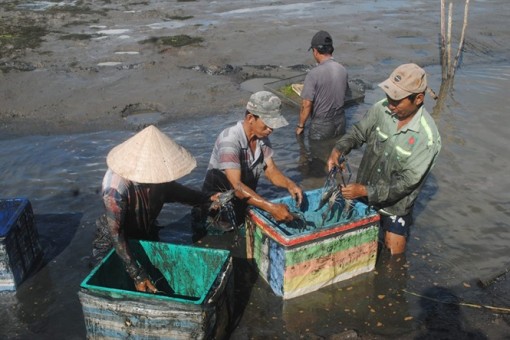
[[325, 85]]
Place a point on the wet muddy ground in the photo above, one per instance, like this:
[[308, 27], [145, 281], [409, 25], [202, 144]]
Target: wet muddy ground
[[78, 77], [75, 66]]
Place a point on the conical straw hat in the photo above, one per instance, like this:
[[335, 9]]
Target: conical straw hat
[[150, 156]]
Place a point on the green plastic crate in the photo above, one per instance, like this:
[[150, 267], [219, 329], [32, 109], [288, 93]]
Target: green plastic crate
[[195, 302]]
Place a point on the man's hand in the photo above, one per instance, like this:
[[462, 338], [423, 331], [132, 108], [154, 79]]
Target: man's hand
[[146, 286], [215, 199], [219, 199], [354, 190], [297, 193], [333, 159], [281, 212]]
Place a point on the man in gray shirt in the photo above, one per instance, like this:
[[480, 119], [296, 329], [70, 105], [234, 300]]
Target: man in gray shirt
[[323, 93]]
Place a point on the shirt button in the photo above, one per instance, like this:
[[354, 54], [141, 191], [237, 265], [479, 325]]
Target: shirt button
[[386, 154], [378, 170]]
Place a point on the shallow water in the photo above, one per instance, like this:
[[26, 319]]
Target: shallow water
[[460, 233]]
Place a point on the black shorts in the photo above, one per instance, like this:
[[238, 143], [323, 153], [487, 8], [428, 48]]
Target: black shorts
[[395, 224]]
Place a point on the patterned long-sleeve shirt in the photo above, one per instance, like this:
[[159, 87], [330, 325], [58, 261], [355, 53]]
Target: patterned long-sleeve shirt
[[132, 209], [395, 162]]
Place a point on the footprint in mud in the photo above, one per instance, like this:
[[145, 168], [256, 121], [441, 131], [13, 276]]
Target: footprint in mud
[[141, 115]]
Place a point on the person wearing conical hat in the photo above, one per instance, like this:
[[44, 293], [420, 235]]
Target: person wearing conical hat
[[242, 153], [401, 143], [140, 179]]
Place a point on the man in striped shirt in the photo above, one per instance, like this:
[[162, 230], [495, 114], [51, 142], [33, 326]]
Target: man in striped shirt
[[242, 153]]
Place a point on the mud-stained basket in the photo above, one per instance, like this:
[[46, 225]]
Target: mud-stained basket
[[20, 250], [291, 94], [335, 245], [195, 300]]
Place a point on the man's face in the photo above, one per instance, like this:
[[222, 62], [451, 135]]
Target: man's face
[[259, 128], [315, 54], [406, 107]]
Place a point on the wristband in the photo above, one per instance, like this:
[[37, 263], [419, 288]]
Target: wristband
[[301, 127]]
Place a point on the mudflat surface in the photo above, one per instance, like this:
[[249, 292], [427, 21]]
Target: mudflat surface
[[84, 66], [72, 67]]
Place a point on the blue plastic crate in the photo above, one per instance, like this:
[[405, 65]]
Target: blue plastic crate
[[20, 249]]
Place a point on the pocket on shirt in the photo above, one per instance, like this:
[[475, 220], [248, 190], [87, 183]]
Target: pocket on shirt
[[380, 142], [403, 156]]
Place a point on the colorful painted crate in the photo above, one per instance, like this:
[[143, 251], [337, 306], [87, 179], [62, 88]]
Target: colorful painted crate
[[20, 250], [195, 299], [295, 259]]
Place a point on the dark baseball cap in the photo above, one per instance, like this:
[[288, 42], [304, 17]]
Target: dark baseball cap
[[321, 38]]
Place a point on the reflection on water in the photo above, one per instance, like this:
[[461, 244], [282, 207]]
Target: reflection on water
[[460, 233]]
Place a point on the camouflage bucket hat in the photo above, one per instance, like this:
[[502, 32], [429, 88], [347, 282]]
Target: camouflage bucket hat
[[268, 107]]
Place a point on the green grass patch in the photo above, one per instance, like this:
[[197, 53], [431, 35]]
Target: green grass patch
[[17, 37], [287, 90]]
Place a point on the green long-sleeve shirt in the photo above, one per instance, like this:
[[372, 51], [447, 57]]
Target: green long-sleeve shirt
[[395, 162]]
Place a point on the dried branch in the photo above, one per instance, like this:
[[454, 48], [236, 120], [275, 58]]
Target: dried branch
[[449, 40], [444, 65], [461, 42], [500, 310]]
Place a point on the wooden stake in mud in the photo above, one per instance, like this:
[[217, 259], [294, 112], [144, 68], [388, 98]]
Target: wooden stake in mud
[[449, 66], [444, 64], [449, 42], [462, 34]]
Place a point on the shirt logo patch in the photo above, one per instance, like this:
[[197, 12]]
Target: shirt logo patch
[[411, 141]]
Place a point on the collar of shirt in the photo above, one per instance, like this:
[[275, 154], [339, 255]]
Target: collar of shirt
[[327, 60], [245, 144], [413, 125]]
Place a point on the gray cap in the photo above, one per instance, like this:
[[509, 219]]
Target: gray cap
[[268, 107]]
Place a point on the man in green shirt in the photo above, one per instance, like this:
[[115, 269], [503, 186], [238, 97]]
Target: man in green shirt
[[402, 144]]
